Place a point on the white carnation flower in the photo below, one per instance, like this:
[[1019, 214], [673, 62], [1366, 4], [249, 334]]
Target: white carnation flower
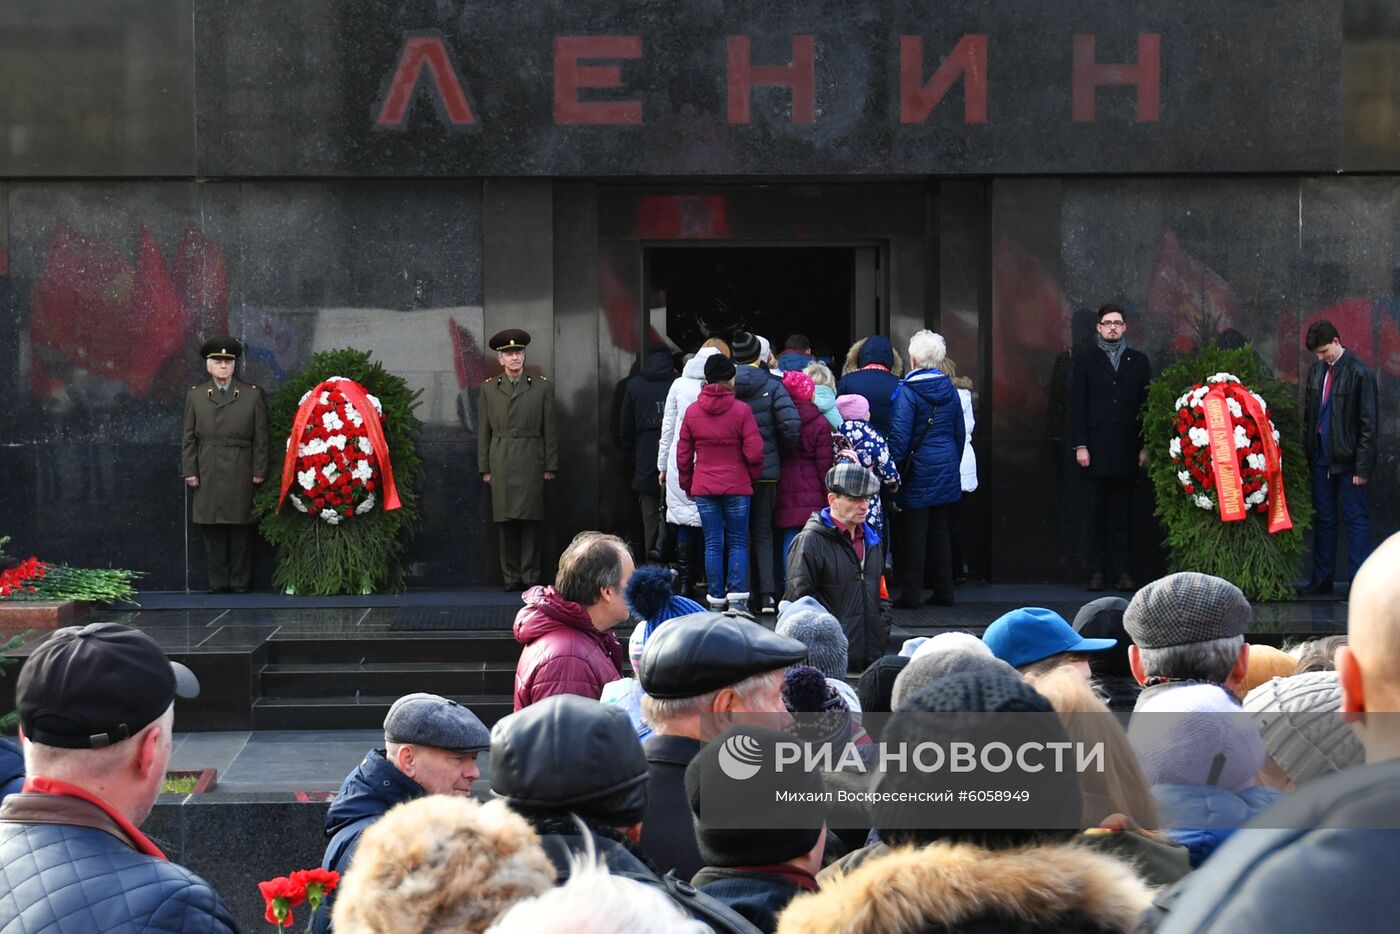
[[365, 506], [1202, 500], [354, 415], [307, 479], [1235, 408], [1255, 498], [325, 397], [1222, 378], [296, 501], [1255, 461], [1241, 437], [362, 471], [1175, 448], [1260, 399], [1263, 489], [332, 421], [330, 472], [1275, 433], [1181, 401], [1184, 476], [336, 441], [1199, 437], [374, 401], [365, 445], [331, 516]]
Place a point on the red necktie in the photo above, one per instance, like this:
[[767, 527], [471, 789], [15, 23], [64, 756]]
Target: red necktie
[[1327, 385]]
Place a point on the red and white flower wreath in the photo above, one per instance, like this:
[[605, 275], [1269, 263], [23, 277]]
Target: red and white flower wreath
[[1191, 448], [336, 465]]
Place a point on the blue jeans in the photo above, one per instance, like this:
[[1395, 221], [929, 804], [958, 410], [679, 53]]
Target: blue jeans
[[725, 520], [1328, 493]]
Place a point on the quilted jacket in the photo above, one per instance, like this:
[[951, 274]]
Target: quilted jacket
[[773, 413], [86, 876], [564, 652], [802, 485], [927, 418], [720, 451]]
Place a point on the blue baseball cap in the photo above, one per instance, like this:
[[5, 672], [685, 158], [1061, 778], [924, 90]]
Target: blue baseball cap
[[1032, 633]]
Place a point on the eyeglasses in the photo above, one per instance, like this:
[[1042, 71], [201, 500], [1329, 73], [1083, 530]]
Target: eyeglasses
[[1113, 324]]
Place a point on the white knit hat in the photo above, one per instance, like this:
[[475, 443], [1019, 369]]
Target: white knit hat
[[1300, 720]]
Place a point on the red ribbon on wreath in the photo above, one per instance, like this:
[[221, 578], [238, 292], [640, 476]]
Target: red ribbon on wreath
[[1225, 462], [357, 396]]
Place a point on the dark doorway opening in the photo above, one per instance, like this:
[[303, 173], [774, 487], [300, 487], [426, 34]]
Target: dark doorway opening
[[824, 292]]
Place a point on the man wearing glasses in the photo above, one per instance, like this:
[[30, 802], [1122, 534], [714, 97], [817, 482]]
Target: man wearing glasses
[[1107, 397]]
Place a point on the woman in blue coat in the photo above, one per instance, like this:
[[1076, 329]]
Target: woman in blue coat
[[926, 439]]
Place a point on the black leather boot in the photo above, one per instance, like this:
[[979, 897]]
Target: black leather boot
[[685, 567]]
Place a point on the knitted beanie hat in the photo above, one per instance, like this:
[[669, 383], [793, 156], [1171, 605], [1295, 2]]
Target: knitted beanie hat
[[1196, 734], [649, 595], [1299, 718], [853, 407], [952, 653], [877, 684], [719, 369], [718, 800], [822, 634], [799, 385], [745, 347], [986, 691]]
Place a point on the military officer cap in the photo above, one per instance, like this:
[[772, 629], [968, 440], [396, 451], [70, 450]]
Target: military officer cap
[[222, 347], [509, 339]]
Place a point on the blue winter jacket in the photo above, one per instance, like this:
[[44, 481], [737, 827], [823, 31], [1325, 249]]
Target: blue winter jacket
[[777, 418], [927, 417], [877, 386], [372, 788], [1201, 817], [11, 768], [64, 877]]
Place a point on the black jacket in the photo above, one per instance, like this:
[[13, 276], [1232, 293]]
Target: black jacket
[[823, 564], [1312, 862], [773, 411], [1354, 427], [758, 896], [639, 428], [668, 834], [1105, 410]]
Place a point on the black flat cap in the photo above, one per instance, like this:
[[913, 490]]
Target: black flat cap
[[509, 339], [703, 652], [431, 720], [221, 347]]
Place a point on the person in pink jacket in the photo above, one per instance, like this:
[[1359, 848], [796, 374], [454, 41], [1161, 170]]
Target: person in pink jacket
[[566, 629], [719, 455], [801, 491]]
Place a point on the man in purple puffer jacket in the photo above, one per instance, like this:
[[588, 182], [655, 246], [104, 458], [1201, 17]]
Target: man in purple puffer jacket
[[567, 629]]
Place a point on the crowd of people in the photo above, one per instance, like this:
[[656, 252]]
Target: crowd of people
[[1238, 786], [730, 463]]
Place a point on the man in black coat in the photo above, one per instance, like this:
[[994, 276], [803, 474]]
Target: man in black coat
[[1107, 397], [1340, 434], [639, 431]]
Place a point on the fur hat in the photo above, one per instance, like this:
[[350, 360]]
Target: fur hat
[[822, 634], [745, 347], [1299, 718], [441, 863], [719, 369]]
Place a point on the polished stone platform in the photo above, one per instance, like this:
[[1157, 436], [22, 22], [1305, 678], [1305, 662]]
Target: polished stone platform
[[269, 663]]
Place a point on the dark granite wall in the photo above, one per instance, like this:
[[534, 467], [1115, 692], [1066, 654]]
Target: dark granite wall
[[497, 88]]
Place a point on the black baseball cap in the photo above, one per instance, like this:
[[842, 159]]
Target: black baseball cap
[[91, 686]]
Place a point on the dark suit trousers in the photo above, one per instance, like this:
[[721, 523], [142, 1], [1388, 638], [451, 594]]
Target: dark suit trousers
[[1110, 524], [1329, 493], [521, 545], [923, 531], [230, 549]]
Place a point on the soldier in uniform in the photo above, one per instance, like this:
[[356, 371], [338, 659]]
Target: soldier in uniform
[[517, 451], [225, 455]]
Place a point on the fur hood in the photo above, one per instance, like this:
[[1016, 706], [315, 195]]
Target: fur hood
[[874, 353], [953, 885]]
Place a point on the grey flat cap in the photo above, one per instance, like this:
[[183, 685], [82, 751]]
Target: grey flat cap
[[431, 720], [1187, 607], [850, 479]]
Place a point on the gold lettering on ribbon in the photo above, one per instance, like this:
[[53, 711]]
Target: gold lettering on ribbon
[[1279, 519], [1224, 463]]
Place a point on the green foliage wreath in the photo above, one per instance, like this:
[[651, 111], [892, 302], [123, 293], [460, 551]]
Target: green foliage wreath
[[1261, 564], [363, 554]]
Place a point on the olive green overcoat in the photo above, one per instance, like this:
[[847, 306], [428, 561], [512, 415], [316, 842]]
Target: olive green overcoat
[[516, 443], [225, 446]]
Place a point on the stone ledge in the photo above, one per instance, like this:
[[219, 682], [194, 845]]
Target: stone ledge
[[19, 615]]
